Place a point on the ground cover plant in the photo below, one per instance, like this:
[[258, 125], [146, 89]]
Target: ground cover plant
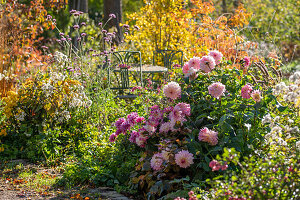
[[225, 125]]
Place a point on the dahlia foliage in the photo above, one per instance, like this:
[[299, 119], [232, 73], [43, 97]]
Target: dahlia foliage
[[201, 113]]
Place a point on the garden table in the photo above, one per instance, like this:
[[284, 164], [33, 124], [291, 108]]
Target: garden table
[[147, 69]]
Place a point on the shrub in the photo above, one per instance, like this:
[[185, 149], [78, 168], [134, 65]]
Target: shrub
[[185, 26], [269, 174], [21, 28], [41, 104], [209, 110]]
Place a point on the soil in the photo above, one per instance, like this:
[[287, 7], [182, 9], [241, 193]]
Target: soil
[[14, 188]]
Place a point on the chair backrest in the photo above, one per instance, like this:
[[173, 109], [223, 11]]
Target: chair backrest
[[121, 72], [167, 57], [132, 58]]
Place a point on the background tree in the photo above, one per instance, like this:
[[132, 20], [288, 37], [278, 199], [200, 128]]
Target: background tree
[[80, 5], [113, 7]]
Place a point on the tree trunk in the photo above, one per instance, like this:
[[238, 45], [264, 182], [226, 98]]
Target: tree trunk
[[224, 6], [114, 7], [236, 3], [79, 5]]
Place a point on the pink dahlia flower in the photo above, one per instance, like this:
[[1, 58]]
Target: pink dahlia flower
[[184, 159], [176, 116], [112, 137], [185, 108], [172, 90], [246, 62], [165, 155], [125, 126], [207, 64], [139, 119], [165, 127], [194, 63], [133, 136], [216, 55], [179, 198], [119, 122], [185, 68], [246, 91], [208, 136], [214, 165], [216, 89], [192, 74], [156, 161], [141, 140], [256, 95], [131, 118]]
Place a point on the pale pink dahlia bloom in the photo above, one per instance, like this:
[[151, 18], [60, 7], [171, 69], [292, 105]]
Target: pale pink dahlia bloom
[[141, 140], [165, 127], [216, 89], [208, 136], [165, 155], [246, 91], [192, 74], [194, 63], [150, 128], [172, 90], [184, 159], [176, 115], [184, 107], [256, 95], [207, 64], [186, 68], [216, 55], [156, 161]]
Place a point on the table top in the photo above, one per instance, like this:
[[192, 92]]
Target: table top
[[147, 69]]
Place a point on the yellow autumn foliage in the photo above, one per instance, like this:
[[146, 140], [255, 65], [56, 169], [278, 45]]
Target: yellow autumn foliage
[[186, 26]]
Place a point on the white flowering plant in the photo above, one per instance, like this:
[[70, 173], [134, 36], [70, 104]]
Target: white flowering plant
[[47, 101]]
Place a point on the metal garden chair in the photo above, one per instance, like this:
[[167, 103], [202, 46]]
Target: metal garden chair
[[124, 63], [167, 59]]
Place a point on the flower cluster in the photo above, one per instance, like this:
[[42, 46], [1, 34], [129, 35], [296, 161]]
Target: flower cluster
[[291, 93], [209, 136], [125, 125], [122, 66], [206, 64], [154, 123], [172, 90], [247, 92], [184, 159], [52, 97], [160, 125], [216, 90], [278, 133], [191, 194], [216, 165]]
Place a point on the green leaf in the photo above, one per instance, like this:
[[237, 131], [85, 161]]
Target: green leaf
[[173, 195], [146, 166]]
